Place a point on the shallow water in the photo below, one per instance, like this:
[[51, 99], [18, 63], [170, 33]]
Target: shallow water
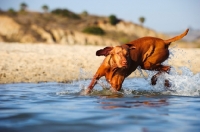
[[138, 107]]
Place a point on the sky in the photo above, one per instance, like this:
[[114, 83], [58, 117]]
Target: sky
[[164, 16]]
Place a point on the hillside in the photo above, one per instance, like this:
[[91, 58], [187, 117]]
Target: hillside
[[55, 27]]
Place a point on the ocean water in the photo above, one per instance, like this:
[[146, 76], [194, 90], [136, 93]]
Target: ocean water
[[138, 107]]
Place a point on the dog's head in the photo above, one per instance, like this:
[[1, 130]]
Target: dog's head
[[119, 54]]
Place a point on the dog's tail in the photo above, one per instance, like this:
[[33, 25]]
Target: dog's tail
[[176, 37]]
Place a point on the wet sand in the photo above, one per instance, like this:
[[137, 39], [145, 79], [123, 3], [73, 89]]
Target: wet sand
[[64, 63]]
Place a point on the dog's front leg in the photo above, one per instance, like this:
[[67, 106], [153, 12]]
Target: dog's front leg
[[100, 72], [92, 84]]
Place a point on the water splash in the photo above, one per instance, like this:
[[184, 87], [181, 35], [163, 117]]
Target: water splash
[[183, 83]]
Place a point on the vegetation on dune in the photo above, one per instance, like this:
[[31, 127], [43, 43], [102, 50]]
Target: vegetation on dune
[[94, 30], [113, 20], [65, 13], [45, 8], [142, 20], [84, 13], [11, 11], [23, 7]]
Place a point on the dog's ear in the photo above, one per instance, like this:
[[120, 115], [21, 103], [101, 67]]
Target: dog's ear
[[104, 51], [131, 46]]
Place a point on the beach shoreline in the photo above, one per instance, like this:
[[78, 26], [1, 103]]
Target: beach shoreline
[[33, 63]]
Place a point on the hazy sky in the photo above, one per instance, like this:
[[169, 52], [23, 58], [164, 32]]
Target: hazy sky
[[160, 15]]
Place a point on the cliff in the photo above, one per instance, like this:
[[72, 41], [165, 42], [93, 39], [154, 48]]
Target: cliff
[[34, 27]]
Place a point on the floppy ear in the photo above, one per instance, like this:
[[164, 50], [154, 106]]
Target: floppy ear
[[131, 46], [104, 51]]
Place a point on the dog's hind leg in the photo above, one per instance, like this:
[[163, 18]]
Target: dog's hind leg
[[160, 70]]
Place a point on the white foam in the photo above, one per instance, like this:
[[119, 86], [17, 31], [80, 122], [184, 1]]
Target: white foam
[[183, 83]]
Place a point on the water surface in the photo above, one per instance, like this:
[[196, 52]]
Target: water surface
[[138, 107]]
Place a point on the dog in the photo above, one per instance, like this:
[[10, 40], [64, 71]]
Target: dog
[[121, 61]]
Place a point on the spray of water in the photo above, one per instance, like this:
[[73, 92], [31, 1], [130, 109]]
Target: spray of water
[[185, 83]]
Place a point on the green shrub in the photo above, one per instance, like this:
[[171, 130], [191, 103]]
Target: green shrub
[[45, 8], [23, 7], [84, 13], [11, 11], [113, 20], [142, 20], [94, 30], [65, 13]]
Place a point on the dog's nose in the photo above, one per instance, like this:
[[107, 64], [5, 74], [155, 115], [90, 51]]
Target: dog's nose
[[124, 62]]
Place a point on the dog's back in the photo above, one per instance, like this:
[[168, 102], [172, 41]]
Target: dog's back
[[151, 51]]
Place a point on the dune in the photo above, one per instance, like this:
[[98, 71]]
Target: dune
[[35, 63]]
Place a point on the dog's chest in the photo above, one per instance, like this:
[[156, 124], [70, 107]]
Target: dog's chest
[[116, 76]]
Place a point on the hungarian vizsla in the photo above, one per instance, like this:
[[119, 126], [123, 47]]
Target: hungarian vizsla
[[121, 61]]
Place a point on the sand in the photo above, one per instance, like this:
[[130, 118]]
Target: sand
[[64, 63]]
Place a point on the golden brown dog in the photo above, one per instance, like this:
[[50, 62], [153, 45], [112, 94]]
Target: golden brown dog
[[121, 61]]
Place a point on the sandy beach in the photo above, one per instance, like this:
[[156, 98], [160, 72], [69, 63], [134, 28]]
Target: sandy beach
[[64, 63]]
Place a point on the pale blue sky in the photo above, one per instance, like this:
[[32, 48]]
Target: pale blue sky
[[161, 15]]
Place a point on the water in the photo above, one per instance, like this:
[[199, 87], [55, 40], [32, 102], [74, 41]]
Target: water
[[138, 107]]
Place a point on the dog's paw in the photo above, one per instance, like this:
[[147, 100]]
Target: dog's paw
[[167, 84], [85, 91]]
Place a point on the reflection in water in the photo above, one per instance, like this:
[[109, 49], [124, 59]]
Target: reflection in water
[[106, 104]]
